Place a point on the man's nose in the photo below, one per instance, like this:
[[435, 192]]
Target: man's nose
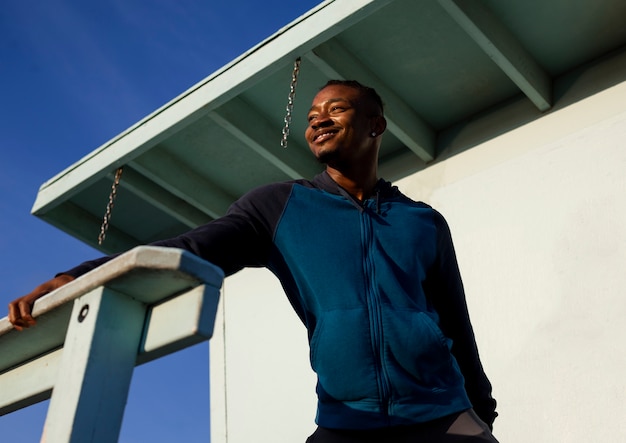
[[321, 121]]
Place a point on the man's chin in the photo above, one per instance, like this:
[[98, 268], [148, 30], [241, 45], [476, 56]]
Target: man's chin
[[325, 157]]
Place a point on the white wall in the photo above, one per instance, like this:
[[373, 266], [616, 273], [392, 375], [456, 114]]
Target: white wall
[[540, 233], [538, 216], [264, 365]]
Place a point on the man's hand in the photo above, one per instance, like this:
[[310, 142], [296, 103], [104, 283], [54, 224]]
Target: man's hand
[[20, 309]]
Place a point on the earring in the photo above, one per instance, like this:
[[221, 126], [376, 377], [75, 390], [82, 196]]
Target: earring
[[373, 134]]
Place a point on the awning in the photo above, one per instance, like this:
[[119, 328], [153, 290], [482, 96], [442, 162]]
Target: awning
[[452, 73]]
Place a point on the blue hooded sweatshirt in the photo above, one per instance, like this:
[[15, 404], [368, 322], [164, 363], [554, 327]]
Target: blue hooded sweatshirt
[[376, 284]]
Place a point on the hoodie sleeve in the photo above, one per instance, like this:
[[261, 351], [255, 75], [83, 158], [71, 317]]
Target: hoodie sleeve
[[448, 298], [241, 238]]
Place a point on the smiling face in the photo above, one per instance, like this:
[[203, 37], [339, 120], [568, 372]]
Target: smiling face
[[340, 126]]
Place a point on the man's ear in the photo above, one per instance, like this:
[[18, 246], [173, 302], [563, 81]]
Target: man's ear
[[378, 124]]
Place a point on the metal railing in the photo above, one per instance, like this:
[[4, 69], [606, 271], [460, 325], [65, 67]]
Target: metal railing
[[92, 332]]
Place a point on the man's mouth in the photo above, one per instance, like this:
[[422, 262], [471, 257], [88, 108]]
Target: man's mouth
[[324, 135]]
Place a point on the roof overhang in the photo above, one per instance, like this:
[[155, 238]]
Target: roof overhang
[[452, 73]]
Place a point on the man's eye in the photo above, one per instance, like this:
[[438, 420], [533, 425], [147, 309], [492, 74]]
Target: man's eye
[[337, 108], [311, 117]]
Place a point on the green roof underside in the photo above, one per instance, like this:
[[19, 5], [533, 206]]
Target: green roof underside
[[452, 73]]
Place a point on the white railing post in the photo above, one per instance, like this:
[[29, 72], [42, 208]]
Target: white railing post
[[99, 354]]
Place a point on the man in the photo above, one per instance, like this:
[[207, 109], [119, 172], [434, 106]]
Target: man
[[371, 274]]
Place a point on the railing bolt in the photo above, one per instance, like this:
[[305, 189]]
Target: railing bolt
[[83, 313]]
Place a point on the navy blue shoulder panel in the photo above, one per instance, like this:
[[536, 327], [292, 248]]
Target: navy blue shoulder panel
[[241, 238], [264, 206]]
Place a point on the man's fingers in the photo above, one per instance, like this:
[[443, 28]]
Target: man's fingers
[[26, 315], [20, 325], [20, 314], [13, 317], [20, 310]]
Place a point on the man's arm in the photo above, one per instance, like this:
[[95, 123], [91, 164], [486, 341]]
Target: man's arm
[[241, 238], [448, 298], [223, 242]]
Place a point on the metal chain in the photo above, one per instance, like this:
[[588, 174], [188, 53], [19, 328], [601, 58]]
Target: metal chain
[[107, 214], [292, 95]]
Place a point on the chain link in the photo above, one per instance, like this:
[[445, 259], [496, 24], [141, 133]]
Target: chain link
[[292, 95], [107, 214]]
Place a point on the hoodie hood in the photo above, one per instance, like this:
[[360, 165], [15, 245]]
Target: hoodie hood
[[382, 191]]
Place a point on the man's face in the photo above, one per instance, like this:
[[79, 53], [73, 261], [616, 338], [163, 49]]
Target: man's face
[[339, 126]]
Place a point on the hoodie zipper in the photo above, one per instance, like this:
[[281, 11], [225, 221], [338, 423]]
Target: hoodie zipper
[[374, 308], [371, 293]]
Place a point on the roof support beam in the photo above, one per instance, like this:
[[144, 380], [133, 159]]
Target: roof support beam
[[169, 173], [85, 226], [159, 197], [235, 117], [336, 61], [503, 48]]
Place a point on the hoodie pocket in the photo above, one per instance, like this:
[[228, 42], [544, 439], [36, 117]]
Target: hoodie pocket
[[420, 351], [341, 355]]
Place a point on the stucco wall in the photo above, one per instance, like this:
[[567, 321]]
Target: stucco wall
[[540, 235], [538, 216]]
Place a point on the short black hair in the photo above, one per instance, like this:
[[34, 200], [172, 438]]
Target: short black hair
[[366, 91]]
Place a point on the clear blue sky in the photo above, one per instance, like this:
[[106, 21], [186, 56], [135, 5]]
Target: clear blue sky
[[74, 74]]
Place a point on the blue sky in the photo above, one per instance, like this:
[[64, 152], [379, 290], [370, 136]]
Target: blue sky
[[74, 74]]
